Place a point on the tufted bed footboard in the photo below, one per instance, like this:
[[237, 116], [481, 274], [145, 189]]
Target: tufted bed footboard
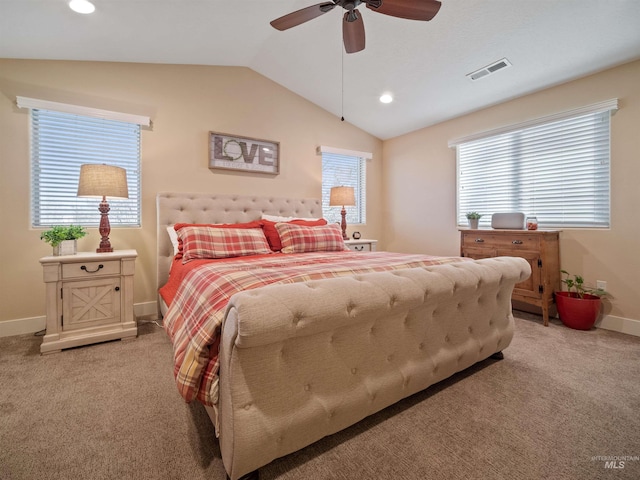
[[305, 360]]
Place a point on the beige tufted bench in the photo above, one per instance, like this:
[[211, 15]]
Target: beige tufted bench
[[302, 361]]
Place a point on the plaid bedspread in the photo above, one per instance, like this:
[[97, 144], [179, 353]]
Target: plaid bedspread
[[194, 319]]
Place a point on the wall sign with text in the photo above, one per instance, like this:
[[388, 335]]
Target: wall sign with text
[[230, 152]]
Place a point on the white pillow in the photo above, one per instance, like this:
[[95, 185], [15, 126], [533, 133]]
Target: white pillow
[[277, 218], [173, 236]]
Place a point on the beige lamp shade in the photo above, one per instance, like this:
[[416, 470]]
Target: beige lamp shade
[[342, 196], [102, 181]]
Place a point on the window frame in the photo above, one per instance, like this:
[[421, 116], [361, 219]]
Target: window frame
[[357, 214], [519, 193], [63, 137]]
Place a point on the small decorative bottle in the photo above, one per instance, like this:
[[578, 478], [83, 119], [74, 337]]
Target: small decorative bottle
[[532, 223]]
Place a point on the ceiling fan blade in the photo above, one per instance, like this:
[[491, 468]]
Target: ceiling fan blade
[[411, 9], [353, 31], [294, 19]]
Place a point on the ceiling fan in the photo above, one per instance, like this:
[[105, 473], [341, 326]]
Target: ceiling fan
[[352, 25]]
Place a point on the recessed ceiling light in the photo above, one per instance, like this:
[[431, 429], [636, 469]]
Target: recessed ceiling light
[[82, 6], [386, 98]]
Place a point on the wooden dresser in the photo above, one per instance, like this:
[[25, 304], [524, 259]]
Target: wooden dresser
[[541, 248]]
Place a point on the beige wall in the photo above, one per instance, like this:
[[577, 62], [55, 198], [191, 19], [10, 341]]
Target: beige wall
[[420, 184], [416, 178], [185, 103]]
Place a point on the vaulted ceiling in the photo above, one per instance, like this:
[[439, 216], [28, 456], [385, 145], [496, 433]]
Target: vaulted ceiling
[[422, 64]]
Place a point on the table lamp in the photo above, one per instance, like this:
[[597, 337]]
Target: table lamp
[[342, 196], [103, 181]]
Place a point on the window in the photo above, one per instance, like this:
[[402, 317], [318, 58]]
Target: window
[[61, 141], [555, 168], [344, 168]]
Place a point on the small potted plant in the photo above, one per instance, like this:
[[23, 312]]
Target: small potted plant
[[63, 238], [473, 218], [579, 306]]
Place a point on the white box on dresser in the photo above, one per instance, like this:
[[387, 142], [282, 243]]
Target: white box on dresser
[[89, 298]]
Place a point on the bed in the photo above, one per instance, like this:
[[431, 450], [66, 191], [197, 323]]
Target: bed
[[297, 360]]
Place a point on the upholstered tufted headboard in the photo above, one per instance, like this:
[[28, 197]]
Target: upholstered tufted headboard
[[173, 208]]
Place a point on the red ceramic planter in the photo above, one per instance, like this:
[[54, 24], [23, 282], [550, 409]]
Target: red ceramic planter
[[576, 312]]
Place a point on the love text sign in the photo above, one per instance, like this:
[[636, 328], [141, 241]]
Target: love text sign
[[245, 154]]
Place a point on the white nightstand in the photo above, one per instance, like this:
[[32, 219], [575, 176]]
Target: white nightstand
[[89, 298], [361, 245]]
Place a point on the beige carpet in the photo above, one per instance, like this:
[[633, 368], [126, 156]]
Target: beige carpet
[[559, 403]]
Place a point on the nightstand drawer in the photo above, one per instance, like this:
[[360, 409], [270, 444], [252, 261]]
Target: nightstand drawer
[[88, 269], [361, 245]]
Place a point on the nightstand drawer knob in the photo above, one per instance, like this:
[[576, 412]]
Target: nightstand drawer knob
[[517, 242], [84, 267], [479, 240], [117, 289]]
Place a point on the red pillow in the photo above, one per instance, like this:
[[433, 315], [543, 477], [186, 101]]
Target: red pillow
[[273, 237], [178, 226]]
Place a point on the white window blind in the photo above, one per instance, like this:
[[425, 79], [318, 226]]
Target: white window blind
[[556, 170], [60, 143], [344, 170]]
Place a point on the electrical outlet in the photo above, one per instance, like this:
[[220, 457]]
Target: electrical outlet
[[601, 284]]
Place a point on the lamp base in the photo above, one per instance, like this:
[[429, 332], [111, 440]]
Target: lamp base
[[343, 224], [105, 228]]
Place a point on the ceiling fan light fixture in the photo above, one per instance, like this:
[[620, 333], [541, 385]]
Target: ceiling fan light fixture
[[386, 98], [82, 6]]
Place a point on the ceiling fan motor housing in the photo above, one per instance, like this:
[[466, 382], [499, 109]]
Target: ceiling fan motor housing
[[352, 4], [349, 4]]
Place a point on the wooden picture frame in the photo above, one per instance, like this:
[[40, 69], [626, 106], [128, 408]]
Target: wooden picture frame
[[244, 154]]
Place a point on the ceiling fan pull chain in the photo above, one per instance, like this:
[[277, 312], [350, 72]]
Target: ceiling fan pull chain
[[342, 81]]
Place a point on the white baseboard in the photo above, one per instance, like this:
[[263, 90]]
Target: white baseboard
[[620, 324], [147, 308], [22, 326]]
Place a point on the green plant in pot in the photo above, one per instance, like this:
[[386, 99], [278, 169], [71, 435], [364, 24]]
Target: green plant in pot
[[63, 238], [579, 305], [473, 218]]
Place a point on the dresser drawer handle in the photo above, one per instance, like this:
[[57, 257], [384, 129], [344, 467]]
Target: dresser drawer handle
[[517, 242], [117, 289], [84, 267], [479, 240]]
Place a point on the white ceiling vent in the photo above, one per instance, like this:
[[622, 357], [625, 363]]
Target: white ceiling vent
[[489, 69]]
